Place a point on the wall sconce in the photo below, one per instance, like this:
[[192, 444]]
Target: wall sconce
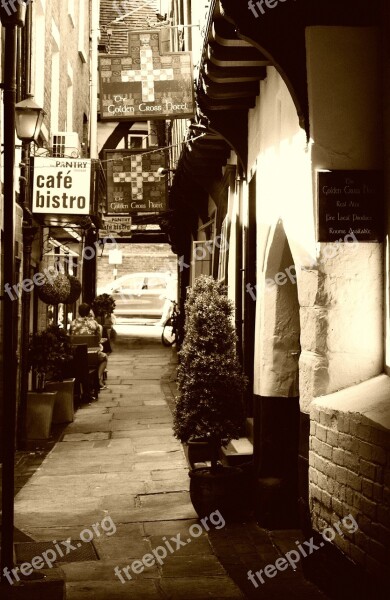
[[163, 171], [28, 120]]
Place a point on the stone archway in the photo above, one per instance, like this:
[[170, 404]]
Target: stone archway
[[281, 323], [278, 414]]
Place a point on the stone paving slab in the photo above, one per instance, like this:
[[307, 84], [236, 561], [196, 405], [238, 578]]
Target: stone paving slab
[[85, 437], [188, 588], [193, 566], [121, 548], [167, 485], [155, 402], [139, 515], [121, 425], [195, 547], [111, 590], [104, 570], [142, 412]]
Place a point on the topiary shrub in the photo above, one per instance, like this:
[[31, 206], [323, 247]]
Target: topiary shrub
[[210, 378]]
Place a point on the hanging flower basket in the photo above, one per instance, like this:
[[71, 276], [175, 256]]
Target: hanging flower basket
[[55, 290], [75, 289]]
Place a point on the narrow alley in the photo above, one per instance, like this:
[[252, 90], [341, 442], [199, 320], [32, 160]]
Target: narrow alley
[[118, 467]]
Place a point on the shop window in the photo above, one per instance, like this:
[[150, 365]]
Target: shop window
[[223, 252], [203, 250], [202, 258]]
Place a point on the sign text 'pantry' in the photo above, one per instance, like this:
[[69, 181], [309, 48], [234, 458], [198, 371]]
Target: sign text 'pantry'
[[61, 186]]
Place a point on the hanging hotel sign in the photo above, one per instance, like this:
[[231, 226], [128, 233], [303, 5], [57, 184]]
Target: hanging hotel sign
[[147, 83], [133, 183], [61, 185], [350, 202]]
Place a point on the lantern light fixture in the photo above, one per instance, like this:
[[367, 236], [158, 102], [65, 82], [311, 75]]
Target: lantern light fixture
[[28, 120], [163, 171]]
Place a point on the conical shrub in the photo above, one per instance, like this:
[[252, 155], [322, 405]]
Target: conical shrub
[[210, 378]]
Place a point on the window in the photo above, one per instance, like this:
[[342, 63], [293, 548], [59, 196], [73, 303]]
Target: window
[[137, 141], [81, 30], [55, 79], [39, 61], [69, 100], [223, 251], [203, 250], [202, 258]]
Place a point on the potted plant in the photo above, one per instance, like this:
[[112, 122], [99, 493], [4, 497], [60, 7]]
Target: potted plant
[[211, 385], [49, 354], [103, 306]]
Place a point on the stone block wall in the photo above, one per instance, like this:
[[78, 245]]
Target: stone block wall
[[349, 473]]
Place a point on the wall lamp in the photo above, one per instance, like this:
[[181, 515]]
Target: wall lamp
[[28, 120], [164, 171]]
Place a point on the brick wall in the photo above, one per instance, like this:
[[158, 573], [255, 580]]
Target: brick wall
[[349, 473]]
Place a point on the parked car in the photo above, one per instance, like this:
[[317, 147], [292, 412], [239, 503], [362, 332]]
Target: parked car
[[141, 294]]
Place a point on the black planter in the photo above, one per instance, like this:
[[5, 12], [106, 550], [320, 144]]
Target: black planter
[[225, 489], [198, 451]]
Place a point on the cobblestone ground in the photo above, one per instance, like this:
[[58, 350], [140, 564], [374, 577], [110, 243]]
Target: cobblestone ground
[[119, 466]]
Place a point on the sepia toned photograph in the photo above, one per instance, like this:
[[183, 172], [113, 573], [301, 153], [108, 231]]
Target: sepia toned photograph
[[195, 300]]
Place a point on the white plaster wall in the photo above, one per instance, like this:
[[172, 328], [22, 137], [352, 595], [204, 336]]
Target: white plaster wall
[[341, 300], [279, 152], [340, 297]]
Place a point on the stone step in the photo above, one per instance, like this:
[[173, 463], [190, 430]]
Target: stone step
[[237, 452]]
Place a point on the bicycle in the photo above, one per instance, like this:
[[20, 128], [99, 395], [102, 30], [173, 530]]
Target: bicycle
[[170, 332]]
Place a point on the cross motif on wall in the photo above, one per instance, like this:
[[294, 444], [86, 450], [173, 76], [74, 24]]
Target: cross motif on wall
[[136, 177], [147, 75]]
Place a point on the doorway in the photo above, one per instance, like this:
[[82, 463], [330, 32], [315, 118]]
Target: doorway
[[277, 440]]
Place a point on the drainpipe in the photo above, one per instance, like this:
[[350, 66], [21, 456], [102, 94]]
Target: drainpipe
[[95, 36], [239, 265], [28, 231], [9, 306]]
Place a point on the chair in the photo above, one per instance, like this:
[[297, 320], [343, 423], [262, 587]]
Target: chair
[[92, 341], [86, 374]]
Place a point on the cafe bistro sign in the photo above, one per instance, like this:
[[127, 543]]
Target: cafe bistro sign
[[147, 83], [61, 185]]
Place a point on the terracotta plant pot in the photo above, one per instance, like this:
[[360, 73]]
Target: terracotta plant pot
[[63, 411], [39, 414]]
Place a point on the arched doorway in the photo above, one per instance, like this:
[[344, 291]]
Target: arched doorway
[[278, 411]]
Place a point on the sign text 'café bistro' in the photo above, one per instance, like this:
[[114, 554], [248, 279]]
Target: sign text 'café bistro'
[[61, 185]]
